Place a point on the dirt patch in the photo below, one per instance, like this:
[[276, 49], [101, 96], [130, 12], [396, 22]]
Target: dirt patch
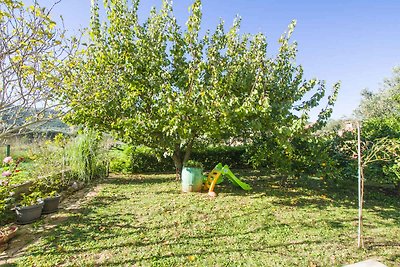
[[31, 233]]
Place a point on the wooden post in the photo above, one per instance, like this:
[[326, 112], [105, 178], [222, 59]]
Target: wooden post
[[360, 188]]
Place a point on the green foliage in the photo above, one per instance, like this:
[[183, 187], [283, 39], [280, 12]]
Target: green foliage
[[6, 202], [30, 199], [121, 159], [380, 112], [48, 164], [384, 103], [49, 185], [234, 156], [380, 149], [145, 159], [128, 159], [11, 167], [169, 88], [85, 157], [47, 159], [309, 154], [193, 164], [375, 129]]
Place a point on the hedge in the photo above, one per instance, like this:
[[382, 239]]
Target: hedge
[[128, 159]]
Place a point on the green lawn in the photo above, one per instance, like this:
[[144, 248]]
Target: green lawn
[[145, 220]]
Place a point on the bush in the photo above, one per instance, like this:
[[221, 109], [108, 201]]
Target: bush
[[128, 159], [85, 157], [144, 159], [382, 172], [6, 201], [120, 159], [234, 157], [341, 151]]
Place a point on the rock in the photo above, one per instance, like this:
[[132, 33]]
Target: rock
[[74, 186]]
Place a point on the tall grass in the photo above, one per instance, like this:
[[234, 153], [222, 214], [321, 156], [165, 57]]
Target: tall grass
[[85, 157]]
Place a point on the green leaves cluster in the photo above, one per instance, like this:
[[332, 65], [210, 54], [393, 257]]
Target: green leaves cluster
[[381, 104], [379, 113], [171, 87]]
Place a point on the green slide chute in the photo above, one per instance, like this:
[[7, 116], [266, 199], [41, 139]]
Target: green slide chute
[[225, 171]]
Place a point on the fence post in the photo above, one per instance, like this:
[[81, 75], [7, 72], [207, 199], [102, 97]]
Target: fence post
[[8, 150]]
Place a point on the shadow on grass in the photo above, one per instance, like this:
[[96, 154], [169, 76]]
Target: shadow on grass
[[300, 192], [90, 224], [82, 228], [316, 192], [137, 180], [211, 251]]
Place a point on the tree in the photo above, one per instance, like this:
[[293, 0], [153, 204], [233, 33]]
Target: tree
[[384, 103], [379, 113], [171, 88], [31, 49]]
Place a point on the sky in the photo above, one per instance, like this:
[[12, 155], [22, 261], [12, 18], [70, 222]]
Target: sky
[[353, 41]]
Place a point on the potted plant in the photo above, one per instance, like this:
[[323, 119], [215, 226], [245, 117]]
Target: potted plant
[[192, 176], [48, 187], [51, 202], [30, 208]]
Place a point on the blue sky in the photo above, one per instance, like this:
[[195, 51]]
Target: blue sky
[[354, 41]]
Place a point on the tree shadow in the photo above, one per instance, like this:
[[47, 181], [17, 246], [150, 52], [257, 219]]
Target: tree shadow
[[316, 192], [211, 251], [136, 180], [302, 192]]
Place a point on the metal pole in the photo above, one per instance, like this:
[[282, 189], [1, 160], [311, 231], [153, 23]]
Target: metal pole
[[360, 184], [8, 150]]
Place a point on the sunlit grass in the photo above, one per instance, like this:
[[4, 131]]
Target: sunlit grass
[[145, 220]]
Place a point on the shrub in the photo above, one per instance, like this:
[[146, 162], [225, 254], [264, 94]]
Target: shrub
[[6, 201], [120, 159], [235, 157], [144, 159], [373, 129], [193, 164], [85, 157], [128, 159]]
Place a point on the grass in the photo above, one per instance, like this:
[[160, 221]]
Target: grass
[[145, 220]]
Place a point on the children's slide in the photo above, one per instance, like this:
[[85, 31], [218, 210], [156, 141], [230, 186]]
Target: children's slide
[[216, 177], [228, 173]]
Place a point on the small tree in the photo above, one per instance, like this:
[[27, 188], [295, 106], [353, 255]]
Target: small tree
[[369, 152], [171, 89], [31, 49]]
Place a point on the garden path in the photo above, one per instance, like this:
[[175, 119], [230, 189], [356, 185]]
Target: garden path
[[31, 233]]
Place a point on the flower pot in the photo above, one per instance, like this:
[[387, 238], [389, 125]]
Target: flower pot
[[192, 179], [7, 234], [50, 204], [28, 214]]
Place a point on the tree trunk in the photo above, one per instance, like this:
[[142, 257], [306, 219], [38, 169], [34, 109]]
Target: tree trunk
[[180, 156], [178, 164], [397, 187]]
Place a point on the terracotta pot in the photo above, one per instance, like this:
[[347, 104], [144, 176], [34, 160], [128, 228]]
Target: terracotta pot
[[8, 234]]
